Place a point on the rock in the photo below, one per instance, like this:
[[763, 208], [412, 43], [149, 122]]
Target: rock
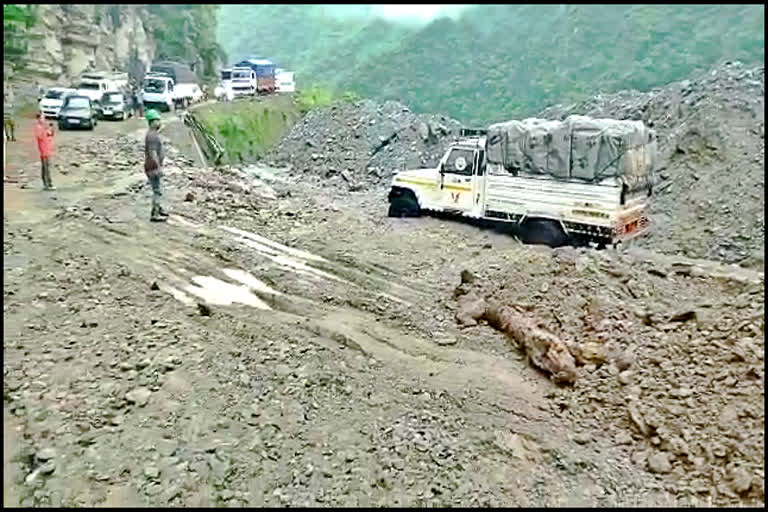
[[203, 309], [623, 437], [624, 360], [683, 316], [139, 396], [467, 277], [637, 419], [740, 480], [45, 454], [659, 463], [151, 472], [189, 197], [245, 380], [154, 286], [625, 377], [470, 308]]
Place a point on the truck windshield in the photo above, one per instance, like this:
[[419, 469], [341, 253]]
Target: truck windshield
[[460, 161], [237, 75], [90, 86], [154, 85], [226, 75]]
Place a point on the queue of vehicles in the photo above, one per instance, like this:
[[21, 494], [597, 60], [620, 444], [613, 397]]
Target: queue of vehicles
[[253, 77], [106, 95]]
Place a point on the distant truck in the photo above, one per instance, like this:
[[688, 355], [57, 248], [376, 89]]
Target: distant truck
[[265, 74], [185, 82], [95, 88], [579, 181], [243, 82], [285, 81], [158, 92]]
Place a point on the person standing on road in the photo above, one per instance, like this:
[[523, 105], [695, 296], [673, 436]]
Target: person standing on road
[[137, 102], [9, 111], [153, 164], [44, 136]]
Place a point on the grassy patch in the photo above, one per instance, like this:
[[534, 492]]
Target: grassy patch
[[247, 129]]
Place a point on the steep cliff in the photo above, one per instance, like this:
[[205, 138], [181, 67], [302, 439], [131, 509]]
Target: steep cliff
[[67, 39]]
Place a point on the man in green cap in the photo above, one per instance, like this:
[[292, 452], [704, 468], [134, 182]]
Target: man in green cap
[[153, 164]]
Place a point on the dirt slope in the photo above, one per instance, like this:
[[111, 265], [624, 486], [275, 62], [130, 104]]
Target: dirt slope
[[709, 198]]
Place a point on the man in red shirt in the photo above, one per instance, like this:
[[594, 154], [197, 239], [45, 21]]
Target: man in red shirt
[[44, 135]]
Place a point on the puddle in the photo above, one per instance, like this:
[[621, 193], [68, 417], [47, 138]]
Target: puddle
[[284, 261], [178, 294], [220, 293], [248, 280], [266, 241]]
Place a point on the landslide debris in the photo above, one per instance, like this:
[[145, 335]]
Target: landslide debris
[[361, 145], [708, 199], [671, 364]]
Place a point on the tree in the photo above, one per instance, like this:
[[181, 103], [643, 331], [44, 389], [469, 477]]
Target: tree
[[17, 20]]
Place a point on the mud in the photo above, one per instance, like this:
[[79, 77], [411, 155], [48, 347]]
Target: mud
[[130, 379]]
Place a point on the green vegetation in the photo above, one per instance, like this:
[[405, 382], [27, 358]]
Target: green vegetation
[[187, 33], [495, 62], [17, 20], [246, 129]]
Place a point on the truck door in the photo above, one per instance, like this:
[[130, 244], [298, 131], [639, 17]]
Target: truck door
[[456, 174], [478, 184]]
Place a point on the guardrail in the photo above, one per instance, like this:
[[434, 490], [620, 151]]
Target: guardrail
[[210, 147]]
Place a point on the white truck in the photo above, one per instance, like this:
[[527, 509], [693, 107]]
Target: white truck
[[95, 88], [243, 82], [158, 92], [285, 81], [186, 86], [579, 181]]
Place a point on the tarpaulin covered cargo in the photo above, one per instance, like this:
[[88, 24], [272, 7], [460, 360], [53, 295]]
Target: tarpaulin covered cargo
[[264, 68], [582, 148], [180, 73]]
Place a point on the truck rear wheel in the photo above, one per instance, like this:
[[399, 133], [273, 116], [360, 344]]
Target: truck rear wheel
[[404, 206], [543, 232]]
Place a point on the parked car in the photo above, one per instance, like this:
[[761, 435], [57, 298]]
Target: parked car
[[53, 100], [78, 112], [114, 105]]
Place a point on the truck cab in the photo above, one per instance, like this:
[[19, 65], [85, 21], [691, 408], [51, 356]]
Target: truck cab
[[455, 185], [158, 91], [243, 81], [546, 210], [95, 88]]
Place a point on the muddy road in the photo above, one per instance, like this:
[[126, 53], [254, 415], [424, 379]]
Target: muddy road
[[278, 344]]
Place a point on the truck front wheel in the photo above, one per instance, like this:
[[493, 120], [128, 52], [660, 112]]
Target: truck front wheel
[[404, 206]]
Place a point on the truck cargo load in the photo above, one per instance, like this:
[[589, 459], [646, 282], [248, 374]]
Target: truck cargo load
[[579, 148], [180, 73], [265, 74]]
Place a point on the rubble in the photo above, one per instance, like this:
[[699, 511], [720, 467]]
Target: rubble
[[361, 145], [708, 198]]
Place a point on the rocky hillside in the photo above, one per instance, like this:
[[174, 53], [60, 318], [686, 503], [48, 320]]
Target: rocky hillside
[[66, 39], [708, 200]]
